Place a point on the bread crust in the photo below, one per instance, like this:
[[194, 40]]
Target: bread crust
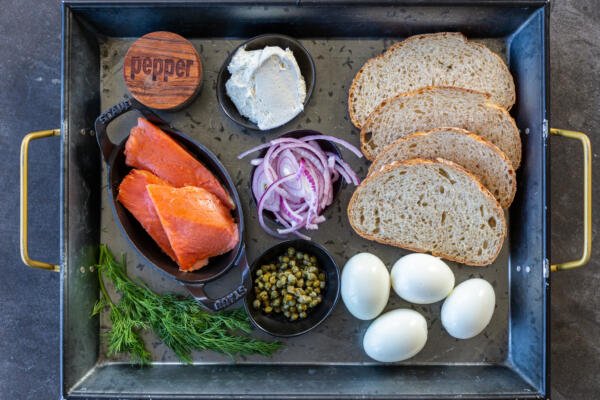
[[369, 121], [366, 126], [395, 46], [419, 161], [471, 135]]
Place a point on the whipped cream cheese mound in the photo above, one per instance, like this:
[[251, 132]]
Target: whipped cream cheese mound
[[266, 86]]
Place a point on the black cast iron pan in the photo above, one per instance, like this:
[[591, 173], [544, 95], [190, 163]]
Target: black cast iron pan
[[137, 237]]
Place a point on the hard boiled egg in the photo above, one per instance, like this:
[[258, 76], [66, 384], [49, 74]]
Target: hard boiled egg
[[469, 308], [395, 336], [421, 278], [365, 286]]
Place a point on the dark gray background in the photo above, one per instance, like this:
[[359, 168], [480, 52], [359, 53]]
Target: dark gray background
[[30, 100]]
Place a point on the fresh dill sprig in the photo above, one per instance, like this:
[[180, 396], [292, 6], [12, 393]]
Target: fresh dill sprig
[[179, 322]]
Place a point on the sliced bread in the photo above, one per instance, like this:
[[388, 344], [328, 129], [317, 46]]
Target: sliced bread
[[445, 58], [431, 206], [435, 107], [478, 156]]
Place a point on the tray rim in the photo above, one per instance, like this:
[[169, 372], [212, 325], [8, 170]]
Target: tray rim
[[68, 6]]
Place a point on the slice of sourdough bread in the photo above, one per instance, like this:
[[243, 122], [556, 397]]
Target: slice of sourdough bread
[[478, 156], [445, 58], [431, 206], [435, 107]]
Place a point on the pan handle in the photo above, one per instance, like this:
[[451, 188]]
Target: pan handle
[[229, 299], [587, 200], [23, 203], [102, 123]]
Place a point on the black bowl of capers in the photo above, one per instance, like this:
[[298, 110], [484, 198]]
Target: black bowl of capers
[[295, 286]]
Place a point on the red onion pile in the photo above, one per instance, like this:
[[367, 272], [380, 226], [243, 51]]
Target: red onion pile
[[294, 180]]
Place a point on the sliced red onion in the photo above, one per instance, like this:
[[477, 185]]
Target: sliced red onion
[[260, 185], [334, 140], [270, 190], [347, 168], [294, 180]]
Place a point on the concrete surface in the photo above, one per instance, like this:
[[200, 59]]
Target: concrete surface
[[30, 100]]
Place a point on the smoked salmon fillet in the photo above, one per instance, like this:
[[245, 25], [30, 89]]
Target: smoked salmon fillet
[[151, 149], [196, 222], [134, 196]]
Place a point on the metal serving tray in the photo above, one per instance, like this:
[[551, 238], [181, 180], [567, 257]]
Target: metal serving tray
[[510, 360]]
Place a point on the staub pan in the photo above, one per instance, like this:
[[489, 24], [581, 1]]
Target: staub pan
[[511, 360]]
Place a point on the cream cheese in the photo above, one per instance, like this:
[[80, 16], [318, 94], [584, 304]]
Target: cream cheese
[[266, 86]]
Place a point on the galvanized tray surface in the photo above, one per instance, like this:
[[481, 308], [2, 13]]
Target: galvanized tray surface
[[508, 360], [339, 339]]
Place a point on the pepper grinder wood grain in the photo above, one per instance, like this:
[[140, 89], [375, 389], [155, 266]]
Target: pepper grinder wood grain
[[163, 70]]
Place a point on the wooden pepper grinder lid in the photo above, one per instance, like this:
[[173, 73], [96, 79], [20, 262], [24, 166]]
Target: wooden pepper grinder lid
[[163, 70]]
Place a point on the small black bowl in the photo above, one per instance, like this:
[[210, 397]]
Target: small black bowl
[[302, 56], [279, 325], [297, 134]]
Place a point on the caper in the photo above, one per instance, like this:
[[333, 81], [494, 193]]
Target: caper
[[290, 286]]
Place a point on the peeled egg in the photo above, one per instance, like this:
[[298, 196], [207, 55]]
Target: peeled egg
[[421, 278], [395, 336], [365, 286], [469, 308]]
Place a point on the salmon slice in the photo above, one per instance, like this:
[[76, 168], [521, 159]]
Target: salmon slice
[[151, 149], [134, 196], [196, 222]]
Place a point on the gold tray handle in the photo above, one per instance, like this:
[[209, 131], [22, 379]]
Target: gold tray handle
[[23, 211], [587, 200]]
